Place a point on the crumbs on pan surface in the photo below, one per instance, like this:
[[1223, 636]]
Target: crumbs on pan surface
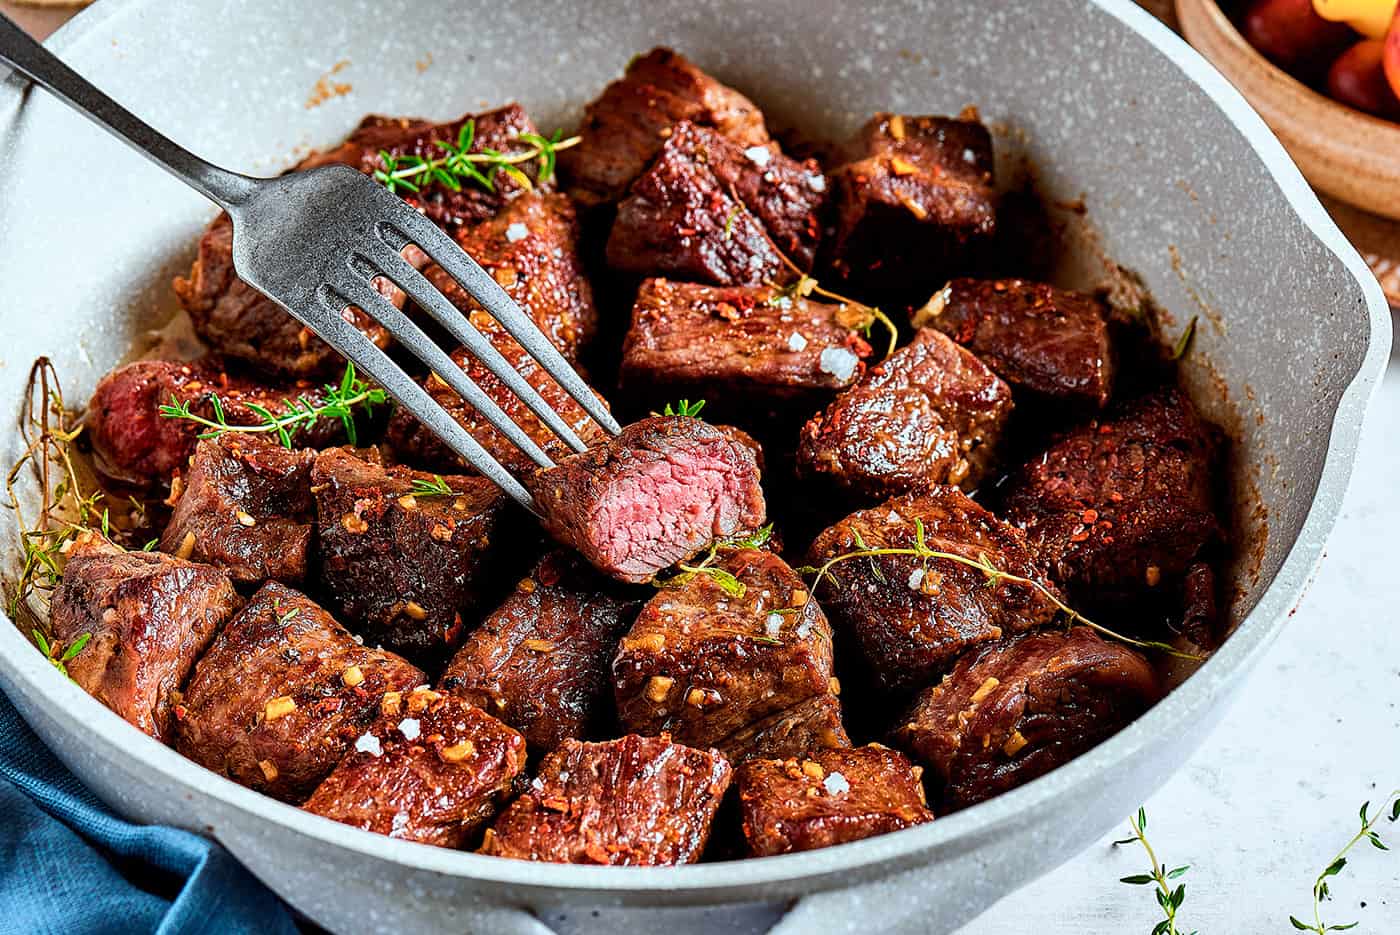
[[326, 87]]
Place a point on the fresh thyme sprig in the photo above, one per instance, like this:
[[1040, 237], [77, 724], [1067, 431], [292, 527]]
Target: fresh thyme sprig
[[852, 314], [707, 567], [437, 487], [459, 164], [1168, 897], [1321, 889], [54, 652], [1183, 343], [683, 407], [49, 431], [995, 576], [339, 402]]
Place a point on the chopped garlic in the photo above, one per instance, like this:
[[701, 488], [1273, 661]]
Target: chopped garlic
[[409, 728], [796, 342], [838, 362], [836, 784], [758, 155], [517, 231], [368, 743]]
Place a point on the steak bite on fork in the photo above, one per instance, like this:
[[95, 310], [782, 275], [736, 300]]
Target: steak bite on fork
[[623, 129], [660, 491], [712, 211]]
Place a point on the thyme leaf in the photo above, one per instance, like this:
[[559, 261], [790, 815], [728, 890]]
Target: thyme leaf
[[339, 403], [683, 407], [1169, 897], [54, 652], [459, 164], [437, 487], [1183, 343], [1321, 890]]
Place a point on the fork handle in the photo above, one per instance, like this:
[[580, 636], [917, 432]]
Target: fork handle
[[29, 58]]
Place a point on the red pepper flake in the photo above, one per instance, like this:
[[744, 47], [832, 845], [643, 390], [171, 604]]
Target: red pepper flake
[[858, 345], [686, 231], [1090, 517], [1116, 497], [180, 712], [1079, 535]]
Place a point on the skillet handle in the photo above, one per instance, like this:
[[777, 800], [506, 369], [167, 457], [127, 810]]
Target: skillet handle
[[22, 53]]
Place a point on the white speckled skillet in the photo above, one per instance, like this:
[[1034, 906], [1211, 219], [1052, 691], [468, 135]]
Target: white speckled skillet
[[1183, 184]]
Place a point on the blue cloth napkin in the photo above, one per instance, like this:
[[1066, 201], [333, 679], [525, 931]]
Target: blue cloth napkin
[[69, 866]]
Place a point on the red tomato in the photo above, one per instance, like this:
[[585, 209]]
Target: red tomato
[[1290, 34], [1357, 79]]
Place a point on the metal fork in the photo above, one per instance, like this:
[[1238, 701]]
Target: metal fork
[[314, 242]]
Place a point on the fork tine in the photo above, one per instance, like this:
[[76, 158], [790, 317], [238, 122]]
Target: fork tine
[[481, 286], [374, 363], [399, 271], [363, 296]]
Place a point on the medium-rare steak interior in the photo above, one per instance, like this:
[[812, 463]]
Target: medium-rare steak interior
[[997, 525]]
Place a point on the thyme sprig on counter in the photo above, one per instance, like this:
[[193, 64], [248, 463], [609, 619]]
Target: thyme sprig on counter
[[339, 402], [995, 578], [458, 164], [49, 430], [1321, 889], [707, 567], [1169, 897]]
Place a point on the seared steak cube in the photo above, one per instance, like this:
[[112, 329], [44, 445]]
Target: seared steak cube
[[828, 797], [245, 506], [913, 616], [929, 414], [240, 322], [1119, 509], [149, 617], [405, 556], [623, 129], [749, 343], [134, 444], [532, 249], [710, 210], [660, 491], [1016, 709], [540, 661], [808, 725], [713, 653], [634, 801], [1051, 343], [282, 694], [433, 769], [914, 201]]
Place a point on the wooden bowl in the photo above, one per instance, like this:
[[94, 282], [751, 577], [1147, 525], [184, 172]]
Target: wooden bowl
[[1350, 155]]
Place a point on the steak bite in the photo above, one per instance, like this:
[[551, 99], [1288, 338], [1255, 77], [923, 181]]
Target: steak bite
[[236, 320], [134, 444], [710, 210], [634, 801], [149, 617], [712, 654], [808, 725], [433, 769], [1120, 509], [282, 694], [744, 342], [1016, 709], [540, 661], [662, 490], [828, 797], [405, 556], [930, 414], [912, 616], [623, 129], [912, 203], [244, 506], [1050, 343]]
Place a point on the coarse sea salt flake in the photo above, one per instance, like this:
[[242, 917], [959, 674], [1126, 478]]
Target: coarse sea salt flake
[[916, 578], [816, 182], [836, 784], [839, 362], [796, 342], [368, 743], [773, 624], [758, 155], [409, 728], [969, 156], [517, 231]]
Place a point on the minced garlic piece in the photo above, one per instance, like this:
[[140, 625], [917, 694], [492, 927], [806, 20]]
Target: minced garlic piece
[[246, 518], [280, 706], [1014, 743], [985, 688], [457, 752], [658, 687], [352, 676], [269, 769]]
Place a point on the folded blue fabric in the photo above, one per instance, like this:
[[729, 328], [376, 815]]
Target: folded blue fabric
[[68, 865]]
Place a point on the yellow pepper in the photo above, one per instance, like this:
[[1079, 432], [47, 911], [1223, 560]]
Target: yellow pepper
[[1371, 18]]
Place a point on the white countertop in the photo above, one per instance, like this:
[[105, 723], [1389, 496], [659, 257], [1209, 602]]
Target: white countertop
[[1273, 793]]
